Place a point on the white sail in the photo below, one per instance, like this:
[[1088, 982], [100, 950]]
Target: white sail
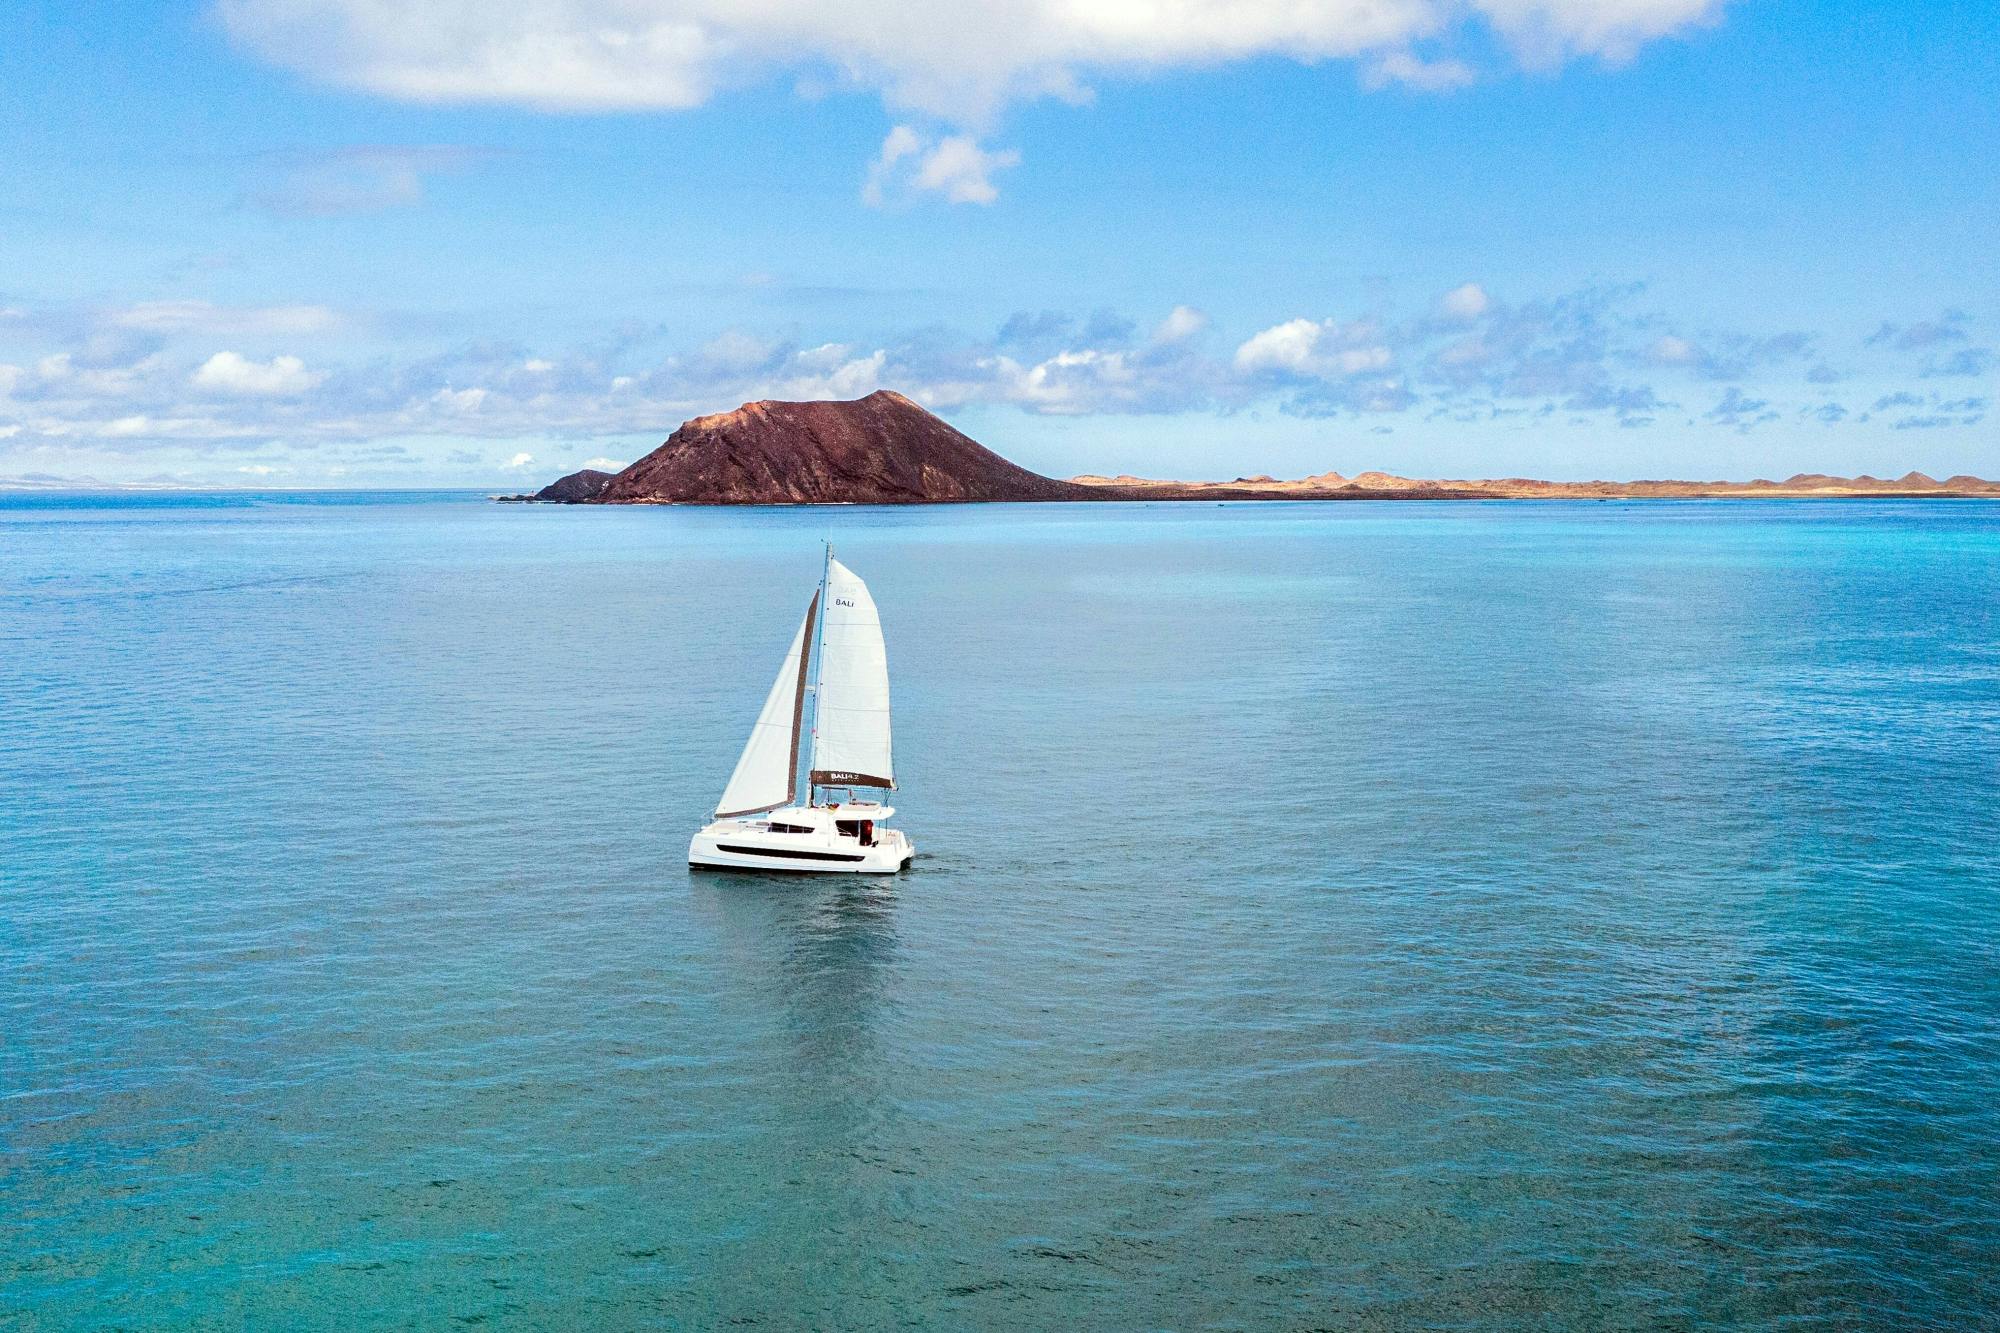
[[851, 725], [765, 774]]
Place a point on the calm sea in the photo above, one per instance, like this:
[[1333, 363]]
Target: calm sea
[[1481, 916]]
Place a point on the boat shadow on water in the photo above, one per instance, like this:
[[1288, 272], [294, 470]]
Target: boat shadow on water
[[821, 956]]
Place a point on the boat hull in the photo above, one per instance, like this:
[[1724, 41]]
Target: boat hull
[[724, 846]]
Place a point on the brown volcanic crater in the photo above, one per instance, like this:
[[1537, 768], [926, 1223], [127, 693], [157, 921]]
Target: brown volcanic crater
[[882, 449]]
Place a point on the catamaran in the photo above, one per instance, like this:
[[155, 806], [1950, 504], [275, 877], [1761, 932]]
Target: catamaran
[[839, 669]]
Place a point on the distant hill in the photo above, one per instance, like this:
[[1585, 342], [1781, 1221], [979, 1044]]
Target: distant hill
[[882, 449], [885, 449]]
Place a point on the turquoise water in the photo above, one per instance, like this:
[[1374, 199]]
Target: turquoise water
[[1480, 916]]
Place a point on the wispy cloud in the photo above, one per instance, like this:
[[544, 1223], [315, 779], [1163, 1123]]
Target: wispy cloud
[[1469, 354], [1729, 356], [1939, 345], [1965, 362], [953, 167], [205, 317], [1948, 327], [1401, 68], [1182, 323], [360, 178], [1465, 302], [1740, 411], [1929, 411]]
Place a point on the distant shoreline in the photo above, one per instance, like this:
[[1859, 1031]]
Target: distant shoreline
[[1382, 485], [1222, 494], [886, 448], [1220, 497], [1373, 487]]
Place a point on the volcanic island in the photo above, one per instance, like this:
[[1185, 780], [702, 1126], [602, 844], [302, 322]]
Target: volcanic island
[[887, 449]]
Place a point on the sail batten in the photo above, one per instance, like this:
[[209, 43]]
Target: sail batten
[[768, 768], [851, 726]]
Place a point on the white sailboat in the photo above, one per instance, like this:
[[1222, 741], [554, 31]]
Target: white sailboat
[[838, 669]]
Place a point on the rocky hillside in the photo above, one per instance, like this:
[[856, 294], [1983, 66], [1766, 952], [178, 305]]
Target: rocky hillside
[[575, 489]]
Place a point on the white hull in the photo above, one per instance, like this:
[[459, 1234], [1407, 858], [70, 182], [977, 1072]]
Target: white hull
[[752, 844]]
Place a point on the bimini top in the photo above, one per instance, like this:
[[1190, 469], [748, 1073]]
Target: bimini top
[[860, 810], [820, 818]]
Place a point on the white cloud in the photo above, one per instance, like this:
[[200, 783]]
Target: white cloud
[[459, 400], [1574, 353], [1546, 32], [954, 166], [519, 460], [1322, 350], [60, 375], [902, 142], [202, 317], [230, 372], [1182, 322], [734, 350], [832, 371], [605, 464], [566, 55], [1287, 346], [1467, 303], [536, 366], [964, 66], [1073, 383], [962, 171], [1671, 351], [258, 469], [1428, 76], [1466, 352]]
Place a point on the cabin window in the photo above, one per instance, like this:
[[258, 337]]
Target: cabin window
[[789, 828], [861, 830]]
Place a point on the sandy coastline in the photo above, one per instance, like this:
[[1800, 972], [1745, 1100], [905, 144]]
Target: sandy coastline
[[1387, 486]]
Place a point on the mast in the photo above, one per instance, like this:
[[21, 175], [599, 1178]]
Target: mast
[[818, 659], [815, 608]]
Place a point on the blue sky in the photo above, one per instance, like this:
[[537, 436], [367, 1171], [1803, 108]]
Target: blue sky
[[336, 242]]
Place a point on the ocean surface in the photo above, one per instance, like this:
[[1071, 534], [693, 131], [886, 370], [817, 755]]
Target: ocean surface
[[1362, 916]]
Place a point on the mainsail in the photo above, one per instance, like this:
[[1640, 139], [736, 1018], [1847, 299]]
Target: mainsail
[[765, 775], [851, 723]]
